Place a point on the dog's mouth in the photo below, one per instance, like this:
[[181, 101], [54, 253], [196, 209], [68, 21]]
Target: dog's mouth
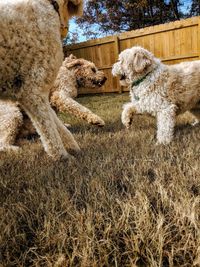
[[81, 82], [99, 83], [123, 77]]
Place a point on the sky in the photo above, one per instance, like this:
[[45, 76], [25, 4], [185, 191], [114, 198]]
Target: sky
[[186, 4], [73, 27]]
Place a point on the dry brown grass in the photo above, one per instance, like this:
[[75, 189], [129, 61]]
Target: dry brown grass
[[123, 202]]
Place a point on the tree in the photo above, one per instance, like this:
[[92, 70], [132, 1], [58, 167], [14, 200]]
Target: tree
[[71, 38], [195, 8], [174, 8], [114, 16]]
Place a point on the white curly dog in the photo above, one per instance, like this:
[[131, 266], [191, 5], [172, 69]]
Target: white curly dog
[[74, 73], [160, 90], [30, 57]]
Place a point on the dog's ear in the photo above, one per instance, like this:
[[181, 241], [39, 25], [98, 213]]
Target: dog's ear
[[74, 63], [75, 7], [72, 57], [141, 61], [69, 59]]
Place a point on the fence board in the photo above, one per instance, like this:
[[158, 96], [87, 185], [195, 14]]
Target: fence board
[[172, 42]]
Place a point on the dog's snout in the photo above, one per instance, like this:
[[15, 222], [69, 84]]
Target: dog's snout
[[99, 82]]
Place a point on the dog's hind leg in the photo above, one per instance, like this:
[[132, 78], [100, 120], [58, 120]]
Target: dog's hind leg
[[11, 120], [67, 138], [37, 107]]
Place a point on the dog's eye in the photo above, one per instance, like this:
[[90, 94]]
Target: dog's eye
[[94, 70]]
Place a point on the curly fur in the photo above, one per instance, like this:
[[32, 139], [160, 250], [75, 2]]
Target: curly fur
[[76, 73], [10, 120], [160, 90], [30, 57], [73, 73]]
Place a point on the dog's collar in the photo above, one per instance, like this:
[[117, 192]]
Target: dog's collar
[[137, 82]]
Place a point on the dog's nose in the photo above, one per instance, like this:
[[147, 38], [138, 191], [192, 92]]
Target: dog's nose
[[123, 77]]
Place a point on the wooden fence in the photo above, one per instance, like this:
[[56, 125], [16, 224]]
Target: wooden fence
[[172, 42]]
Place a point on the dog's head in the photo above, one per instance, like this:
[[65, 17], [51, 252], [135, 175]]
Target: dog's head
[[68, 9], [133, 63], [86, 73]]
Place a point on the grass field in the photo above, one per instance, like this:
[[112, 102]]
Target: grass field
[[122, 202]]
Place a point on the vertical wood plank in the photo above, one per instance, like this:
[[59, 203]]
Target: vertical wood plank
[[117, 52], [198, 38]]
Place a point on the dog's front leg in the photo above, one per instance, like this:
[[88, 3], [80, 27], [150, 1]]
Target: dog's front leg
[[165, 125], [64, 103], [127, 114], [66, 136]]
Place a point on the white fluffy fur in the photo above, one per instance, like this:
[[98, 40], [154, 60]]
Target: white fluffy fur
[[160, 90]]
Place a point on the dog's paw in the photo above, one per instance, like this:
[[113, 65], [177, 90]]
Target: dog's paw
[[127, 123], [163, 142], [97, 121], [126, 119], [67, 125], [73, 149], [195, 123], [73, 153], [128, 126]]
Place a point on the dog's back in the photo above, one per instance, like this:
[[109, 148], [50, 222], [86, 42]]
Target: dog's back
[[184, 84]]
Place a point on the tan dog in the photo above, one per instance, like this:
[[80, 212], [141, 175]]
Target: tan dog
[[160, 90], [30, 57], [73, 74]]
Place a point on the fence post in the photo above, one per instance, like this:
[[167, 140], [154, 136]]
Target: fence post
[[198, 38], [117, 51]]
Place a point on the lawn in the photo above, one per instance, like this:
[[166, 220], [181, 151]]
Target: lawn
[[124, 201]]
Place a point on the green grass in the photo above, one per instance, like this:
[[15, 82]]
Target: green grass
[[122, 202]]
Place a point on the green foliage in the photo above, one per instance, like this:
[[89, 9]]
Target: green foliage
[[113, 16], [195, 9]]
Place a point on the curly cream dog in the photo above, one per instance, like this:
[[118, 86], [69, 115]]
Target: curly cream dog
[[160, 90], [73, 74], [76, 73], [30, 57]]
